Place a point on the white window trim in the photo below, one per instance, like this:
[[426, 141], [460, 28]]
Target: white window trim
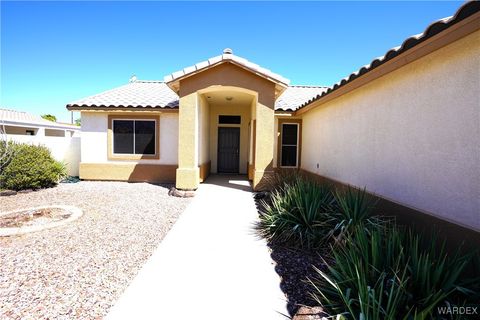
[[289, 145], [134, 154]]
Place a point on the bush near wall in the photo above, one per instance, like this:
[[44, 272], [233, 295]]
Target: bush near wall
[[377, 269], [29, 167]]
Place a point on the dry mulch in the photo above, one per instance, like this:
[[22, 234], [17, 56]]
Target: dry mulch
[[79, 270]]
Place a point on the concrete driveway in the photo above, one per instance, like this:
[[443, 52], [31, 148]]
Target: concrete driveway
[[210, 265]]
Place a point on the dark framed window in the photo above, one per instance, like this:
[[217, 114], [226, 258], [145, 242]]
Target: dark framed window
[[229, 119], [289, 146], [134, 136]]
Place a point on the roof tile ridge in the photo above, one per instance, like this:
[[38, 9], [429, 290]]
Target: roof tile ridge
[[306, 86]]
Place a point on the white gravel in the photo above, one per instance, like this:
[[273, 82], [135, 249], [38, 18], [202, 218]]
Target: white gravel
[[79, 270]]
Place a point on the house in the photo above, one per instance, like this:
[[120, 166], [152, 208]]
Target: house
[[62, 139], [406, 125]]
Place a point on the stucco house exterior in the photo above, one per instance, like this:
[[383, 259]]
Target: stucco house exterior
[[406, 125]]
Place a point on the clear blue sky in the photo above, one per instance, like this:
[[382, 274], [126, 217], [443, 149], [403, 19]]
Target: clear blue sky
[[55, 52]]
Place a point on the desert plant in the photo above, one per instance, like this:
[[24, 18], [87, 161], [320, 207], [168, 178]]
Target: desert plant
[[389, 275], [31, 167], [299, 213], [355, 210]]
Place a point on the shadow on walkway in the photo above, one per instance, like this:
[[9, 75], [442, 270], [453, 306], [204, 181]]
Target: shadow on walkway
[[239, 182]]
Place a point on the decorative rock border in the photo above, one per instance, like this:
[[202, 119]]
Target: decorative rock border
[[75, 214], [6, 193]]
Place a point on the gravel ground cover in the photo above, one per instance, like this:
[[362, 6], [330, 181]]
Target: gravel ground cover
[[79, 270]]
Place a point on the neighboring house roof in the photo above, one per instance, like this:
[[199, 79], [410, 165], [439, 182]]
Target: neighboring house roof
[[20, 118], [227, 56], [465, 11], [136, 94]]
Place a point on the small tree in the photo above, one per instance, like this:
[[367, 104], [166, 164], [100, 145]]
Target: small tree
[[78, 122], [49, 117]]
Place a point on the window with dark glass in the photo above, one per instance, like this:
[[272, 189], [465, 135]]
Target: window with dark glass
[[289, 146], [229, 119], [134, 136]]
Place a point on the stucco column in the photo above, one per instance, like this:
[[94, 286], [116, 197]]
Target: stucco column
[[188, 173], [265, 122]]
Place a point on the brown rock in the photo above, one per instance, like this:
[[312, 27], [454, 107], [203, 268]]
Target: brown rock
[[181, 193], [310, 313]]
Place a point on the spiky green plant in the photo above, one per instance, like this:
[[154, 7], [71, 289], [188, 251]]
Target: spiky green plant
[[300, 213], [385, 274], [355, 211]]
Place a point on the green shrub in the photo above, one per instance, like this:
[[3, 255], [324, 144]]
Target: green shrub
[[387, 275], [30, 167], [300, 213], [307, 214]]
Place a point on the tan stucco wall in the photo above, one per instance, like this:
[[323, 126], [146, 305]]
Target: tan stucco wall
[[221, 77], [94, 139], [411, 136], [188, 173], [228, 74], [244, 113], [203, 131]]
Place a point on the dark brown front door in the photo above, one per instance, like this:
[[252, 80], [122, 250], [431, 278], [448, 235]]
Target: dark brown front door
[[228, 150]]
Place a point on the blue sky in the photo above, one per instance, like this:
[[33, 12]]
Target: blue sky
[[56, 52]]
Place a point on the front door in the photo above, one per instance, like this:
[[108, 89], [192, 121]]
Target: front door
[[228, 150]]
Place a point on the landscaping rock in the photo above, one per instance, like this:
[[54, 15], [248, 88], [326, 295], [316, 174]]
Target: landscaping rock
[[310, 313], [261, 195], [8, 193], [79, 270], [181, 193], [294, 266]]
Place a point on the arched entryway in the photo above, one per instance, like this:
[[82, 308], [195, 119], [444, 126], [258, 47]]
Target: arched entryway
[[224, 108]]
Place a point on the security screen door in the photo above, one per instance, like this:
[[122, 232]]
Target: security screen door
[[228, 150]]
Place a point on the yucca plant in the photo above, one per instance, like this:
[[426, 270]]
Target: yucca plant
[[300, 213], [433, 270], [385, 274], [355, 208]]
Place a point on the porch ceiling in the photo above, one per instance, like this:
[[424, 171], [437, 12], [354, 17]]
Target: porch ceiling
[[228, 98]]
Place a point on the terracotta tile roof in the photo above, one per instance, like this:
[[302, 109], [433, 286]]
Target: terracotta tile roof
[[294, 96], [465, 11], [136, 94], [156, 94], [227, 56], [14, 117]]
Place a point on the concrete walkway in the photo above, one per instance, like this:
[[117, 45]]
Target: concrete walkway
[[210, 265]]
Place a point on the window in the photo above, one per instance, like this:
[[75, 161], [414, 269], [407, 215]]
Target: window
[[134, 136], [289, 151], [30, 132], [229, 119]]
